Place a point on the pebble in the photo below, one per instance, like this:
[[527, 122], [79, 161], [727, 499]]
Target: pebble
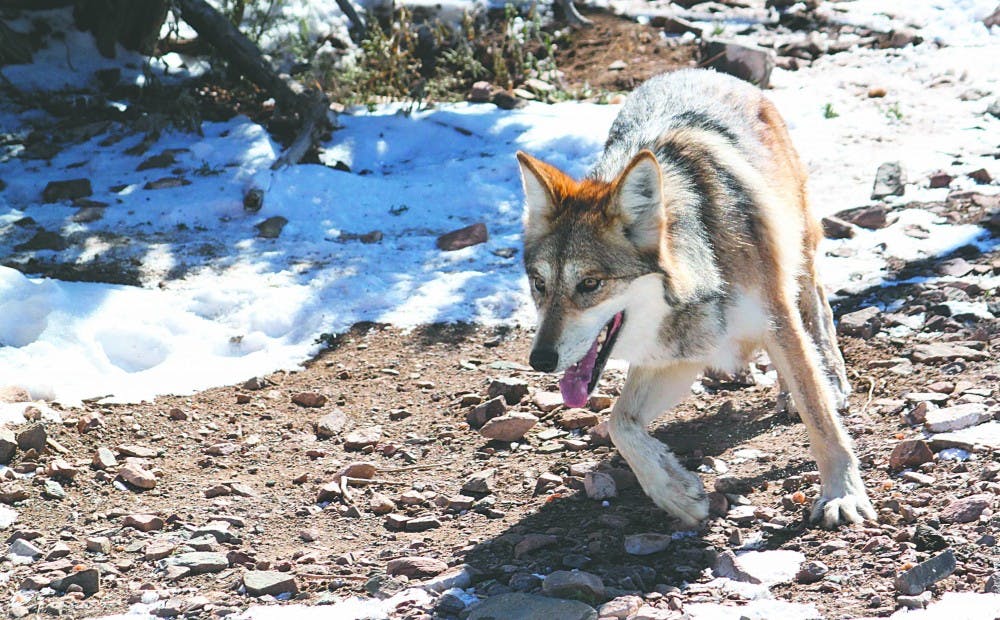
[[104, 458], [32, 438], [864, 323], [380, 504], [24, 548], [955, 418], [600, 485], [481, 414], [141, 452], [8, 446], [910, 453], [889, 181], [938, 352], [98, 544], [966, 509], [480, 483], [88, 580], [547, 401], [309, 399], [512, 389], [361, 438], [914, 602], [508, 427], [271, 227], [158, 549], [422, 524], [331, 424], [811, 571], [917, 579], [463, 237], [269, 582], [197, 562], [621, 607], [573, 584], [572, 419], [646, 544], [134, 474], [533, 542], [417, 567]]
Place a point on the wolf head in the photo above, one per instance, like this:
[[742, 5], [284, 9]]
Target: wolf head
[[585, 244]]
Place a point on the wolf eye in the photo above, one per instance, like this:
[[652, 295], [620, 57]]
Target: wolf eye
[[539, 284], [588, 285]]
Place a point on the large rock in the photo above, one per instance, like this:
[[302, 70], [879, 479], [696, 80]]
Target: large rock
[[937, 352], [530, 607], [863, 323], [955, 418], [8, 445], [889, 180], [263, 582], [921, 576], [574, 584], [32, 438], [509, 427], [747, 62], [966, 509], [910, 453], [986, 435], [415, 567]]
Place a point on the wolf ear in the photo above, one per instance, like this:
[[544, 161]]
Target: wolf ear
[[539, 198], [639, 196]]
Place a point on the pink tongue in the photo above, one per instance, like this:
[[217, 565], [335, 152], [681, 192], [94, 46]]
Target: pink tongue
[[573, 384]]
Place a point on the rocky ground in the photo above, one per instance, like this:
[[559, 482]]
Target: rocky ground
[[437, 459]]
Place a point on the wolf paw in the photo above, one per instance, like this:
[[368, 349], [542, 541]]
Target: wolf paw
[[683, 498], [833, 511]]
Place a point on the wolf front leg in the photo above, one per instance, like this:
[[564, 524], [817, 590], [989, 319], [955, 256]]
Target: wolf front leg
[[843, 497], [649, 392]]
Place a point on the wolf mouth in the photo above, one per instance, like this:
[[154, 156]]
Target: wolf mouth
[[581, 378]]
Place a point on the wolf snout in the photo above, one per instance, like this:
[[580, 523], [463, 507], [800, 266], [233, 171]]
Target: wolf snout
[[544, 360]]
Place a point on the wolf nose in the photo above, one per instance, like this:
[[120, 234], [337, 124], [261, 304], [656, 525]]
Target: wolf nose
[[544, 360]]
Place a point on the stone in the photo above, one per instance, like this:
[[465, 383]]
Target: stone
[[271, 227], [167, 183], [889, 181], [422, 524], [104, 459], [955, 418], [863, 323], [508, 427], [512, 390], [88, 422], [937, 352], [463, 237], [873, 217], [309, 399], [58, 550], [415, 567], [980, 176], [481, 92], [927, 538], [143, 522], [24, 548], [363, 437], [811, 571], [198, 562], [53, 490], [219, 530], [747, 62], [380, 504], [600, 435], [533, 542], [939, 179], [600, 485], [767, 567], [43, 240], [32, 438], [621, 607], [331, 424], [98, 544], [481, 414], [986, 435], [574, 584], [910, 453], [965, 509], [137, 476], [137, 451], [479, 483], [547, 401], [920, 577], [572, 419], [158, 549], [8, 445], [88, 580], [60, 468], [70, 189], [13, 491], [646, 544], [837, 228], [14, 394], [915, 602], [530, 607], [269, 582], [507, 101]]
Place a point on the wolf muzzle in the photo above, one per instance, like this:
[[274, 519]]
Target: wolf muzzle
[[544, 360]]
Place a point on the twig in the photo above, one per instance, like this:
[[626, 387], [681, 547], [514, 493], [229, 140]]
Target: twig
[[871, 393]]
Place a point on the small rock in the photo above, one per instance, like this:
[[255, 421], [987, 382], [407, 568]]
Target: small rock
[[198, 562], [646, 544], [600, 435], [134, 474], [509, 427], [873, 217], [921, 576], [747, 62], [955, 418], [914, 602], [889, 181], [910, 453], [481, 92], [523, 606], [143, 522], [137, 451], [836, 228], [32, 438], [158, 549], [53, 490], [864, 323], [88, 580], [60, 468], [98, 544], [14, 394], [621, 608], [618, 65], [463, 237], [89, 421], [937, 352], [512, 390], [533, 542], [481, 414], [572, 419], [927, 538], [363, 437], [167, 183], [66, 190], [331, 424], [8, 446], [575, 584], [269, 582], [547, 401], [507, 101], [811, 571], [980, 176], [24, 548], [271, 227], [422, 524], [309, 399], [966, 509], [480, 483], [599, 485], [940, 179], [418, 567]]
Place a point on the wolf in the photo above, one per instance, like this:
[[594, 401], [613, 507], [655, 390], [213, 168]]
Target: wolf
[[689, 245]]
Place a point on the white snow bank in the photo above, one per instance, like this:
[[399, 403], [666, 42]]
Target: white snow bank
[[955, 606]]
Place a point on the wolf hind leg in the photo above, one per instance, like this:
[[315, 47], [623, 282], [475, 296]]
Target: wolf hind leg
[[818, 320], [648, 392]]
